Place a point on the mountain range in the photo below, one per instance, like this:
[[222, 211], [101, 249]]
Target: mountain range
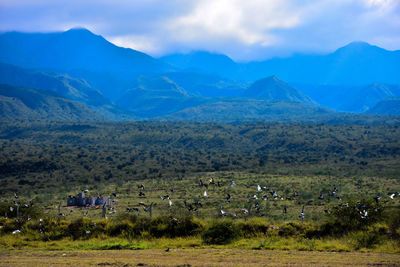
[[117, 83], [357, 63], [19, 103]]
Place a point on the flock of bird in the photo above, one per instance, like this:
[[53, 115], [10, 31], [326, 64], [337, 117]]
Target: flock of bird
[[260, 193]]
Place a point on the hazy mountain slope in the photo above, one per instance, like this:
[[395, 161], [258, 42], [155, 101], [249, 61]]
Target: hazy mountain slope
[[206, 85], [203, 62], [64, 85], [387, 106], [368, 96], [73, 49], [75, 89], [271, 88], [248, 110], [27, 103], [154, 96], [357, 63], [81, 54]]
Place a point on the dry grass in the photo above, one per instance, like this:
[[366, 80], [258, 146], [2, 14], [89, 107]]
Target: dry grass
[[195, 257]]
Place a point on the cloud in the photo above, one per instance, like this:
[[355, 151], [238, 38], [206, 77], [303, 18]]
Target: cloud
[[244, 30], [248, 22]]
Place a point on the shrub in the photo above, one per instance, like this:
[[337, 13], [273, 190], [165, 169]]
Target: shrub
[[86, 228], [297, 229], [366, 239], [46, 230], [344, 219], [220, 232], [169, 226], [125, 228], [394, 223], [24, 211], [9, 225], [253, 227]]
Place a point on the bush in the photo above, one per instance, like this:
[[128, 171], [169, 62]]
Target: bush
[[24, 211], [297, 229], [46, 230], [394, 223], [169, 226], [366, 239], [119, 228], [220, 232], [9, 225], [85, 228], [343, 220], [253, 227]]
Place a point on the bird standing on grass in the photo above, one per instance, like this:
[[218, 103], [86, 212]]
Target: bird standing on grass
[[302, 214]]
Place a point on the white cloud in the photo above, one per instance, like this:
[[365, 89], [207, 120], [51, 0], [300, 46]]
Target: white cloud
[[243, 29], [247, 22]]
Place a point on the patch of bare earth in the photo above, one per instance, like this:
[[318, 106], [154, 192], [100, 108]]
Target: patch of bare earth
[[195, 257]]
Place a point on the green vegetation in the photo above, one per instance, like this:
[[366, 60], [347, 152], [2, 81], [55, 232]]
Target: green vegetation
[[333, 171], [133, 232], [57, 156]]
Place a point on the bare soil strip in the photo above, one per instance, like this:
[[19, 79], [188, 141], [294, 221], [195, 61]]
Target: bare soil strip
[[195, 257]]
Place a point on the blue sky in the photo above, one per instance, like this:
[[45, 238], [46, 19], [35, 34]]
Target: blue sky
[[243, 29]]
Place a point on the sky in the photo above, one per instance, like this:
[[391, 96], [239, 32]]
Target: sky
[[242, 29]]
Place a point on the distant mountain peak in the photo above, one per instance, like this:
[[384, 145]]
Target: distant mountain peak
[[272, 78], [358, 44], [79, 32], [358, 47], [78, 29], [272, 88]]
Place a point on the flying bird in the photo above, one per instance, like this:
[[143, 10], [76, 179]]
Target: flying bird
[[223, 213], [259, 188], [302, 214]]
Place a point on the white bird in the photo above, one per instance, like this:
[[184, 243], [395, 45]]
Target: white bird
[[364, 214], [259, 188], [16, 232], [88, 232], [392, 196], [205, 194], [170, 203], [244, 211], [255, 197], [86, 191], [302, 214], [223, 213]]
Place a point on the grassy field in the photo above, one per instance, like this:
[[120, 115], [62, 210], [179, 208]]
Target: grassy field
[[309, 189], [196, 257], [275, 175]]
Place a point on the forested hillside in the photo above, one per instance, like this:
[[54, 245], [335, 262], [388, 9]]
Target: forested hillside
[[47, 155]]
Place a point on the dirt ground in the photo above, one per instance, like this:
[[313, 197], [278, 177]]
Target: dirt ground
[[195, 257]]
